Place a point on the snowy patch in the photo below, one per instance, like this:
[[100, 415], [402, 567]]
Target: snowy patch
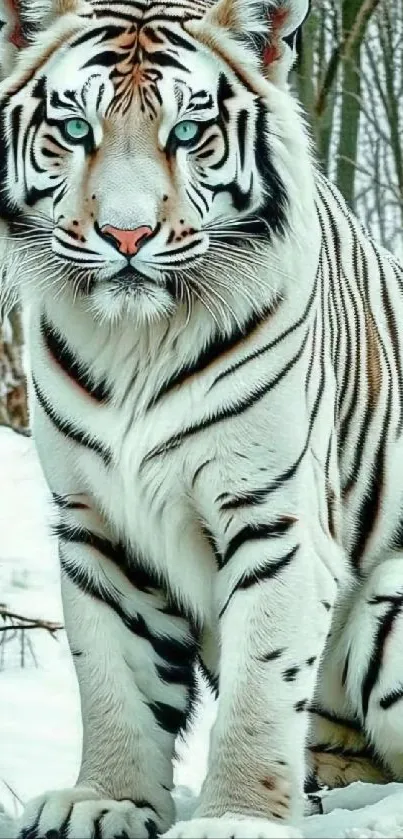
[[40, 729]]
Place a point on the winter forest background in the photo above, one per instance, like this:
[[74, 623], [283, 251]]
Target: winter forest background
[[349, 78]]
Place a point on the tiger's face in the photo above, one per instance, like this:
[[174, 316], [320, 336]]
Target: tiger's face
[[138, 156]]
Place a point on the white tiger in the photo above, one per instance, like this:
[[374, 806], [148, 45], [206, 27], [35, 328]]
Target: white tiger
[[217, 392]]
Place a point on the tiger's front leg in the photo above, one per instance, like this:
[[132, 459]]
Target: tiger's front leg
[[274, 599], [134, 661]]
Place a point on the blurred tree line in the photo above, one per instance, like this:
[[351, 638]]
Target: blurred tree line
[[350, 80]]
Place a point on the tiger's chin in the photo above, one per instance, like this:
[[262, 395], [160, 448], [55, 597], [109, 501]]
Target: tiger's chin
[[140, 303], [112, 296]]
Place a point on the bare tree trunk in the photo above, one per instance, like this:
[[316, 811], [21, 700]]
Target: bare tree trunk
[[310, 71], [328, 81], [305, 70], [381, 137], [13, 390], [325, 119], [350, 107], [393, 92]]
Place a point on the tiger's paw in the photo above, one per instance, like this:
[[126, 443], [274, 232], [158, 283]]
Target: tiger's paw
[[82, 813], [232, 826]]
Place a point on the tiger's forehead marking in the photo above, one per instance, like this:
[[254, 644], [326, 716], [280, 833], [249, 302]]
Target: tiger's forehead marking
[[136, 44], [138, 10]]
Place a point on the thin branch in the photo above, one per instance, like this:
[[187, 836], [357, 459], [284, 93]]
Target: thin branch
[[21, 622]]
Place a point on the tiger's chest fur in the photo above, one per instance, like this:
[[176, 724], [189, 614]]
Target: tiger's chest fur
[[177, 434], [166, 432]]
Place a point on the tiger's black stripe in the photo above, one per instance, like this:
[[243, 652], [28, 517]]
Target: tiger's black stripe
[[129, 563], [330, 716], [178, 669], [394, 336], [261, 575], [168, 717], [170, 650], [260, 494], [211, 679], [275, 342], [385, 627], [65, 427], [341, 751], [273, 655], [370, 504], [217, 347], [63, 355], [255, 532], [391, 698], [213, 544], [230, 412], [65, 502]]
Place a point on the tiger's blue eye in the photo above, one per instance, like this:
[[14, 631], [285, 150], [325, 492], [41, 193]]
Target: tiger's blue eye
[[186, 131], [77, 129]]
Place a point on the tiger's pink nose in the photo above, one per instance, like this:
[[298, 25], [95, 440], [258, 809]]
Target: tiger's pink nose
[[128, 242]]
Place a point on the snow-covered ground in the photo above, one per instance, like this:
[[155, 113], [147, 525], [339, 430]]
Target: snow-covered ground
[[40, 729]]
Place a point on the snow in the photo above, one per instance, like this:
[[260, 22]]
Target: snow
[[40, 728]]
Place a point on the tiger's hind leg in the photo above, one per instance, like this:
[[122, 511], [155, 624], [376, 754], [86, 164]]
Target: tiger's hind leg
[[357, 718], [338, 751], [374, 663]]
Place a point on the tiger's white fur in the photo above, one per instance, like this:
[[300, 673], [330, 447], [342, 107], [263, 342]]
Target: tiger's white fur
[[224, 446]]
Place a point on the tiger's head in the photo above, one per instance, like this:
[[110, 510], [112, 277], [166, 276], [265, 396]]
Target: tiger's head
[[150, 151]]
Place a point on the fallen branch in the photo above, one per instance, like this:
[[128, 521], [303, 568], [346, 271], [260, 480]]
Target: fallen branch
[[17, 622]]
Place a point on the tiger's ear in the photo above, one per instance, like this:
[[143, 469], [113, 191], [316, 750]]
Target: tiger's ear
[[10, 35], [268, 26], [21, 19]]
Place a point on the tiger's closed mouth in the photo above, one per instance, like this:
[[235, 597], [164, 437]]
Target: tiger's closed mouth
[[129, 276]]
